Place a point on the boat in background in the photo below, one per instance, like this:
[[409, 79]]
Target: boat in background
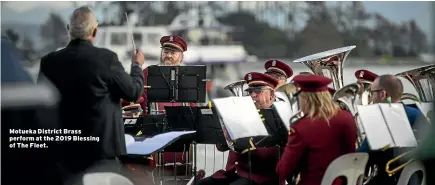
[[209, 41]]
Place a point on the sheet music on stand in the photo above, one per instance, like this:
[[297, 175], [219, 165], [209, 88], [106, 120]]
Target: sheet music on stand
[[284, 109], [154, 144], [386, 125], [240, 117]]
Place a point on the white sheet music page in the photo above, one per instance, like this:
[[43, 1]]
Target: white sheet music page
[[375, 127], [397, 121], [284, 110], [129, 139], [240, 116], [151, 145]]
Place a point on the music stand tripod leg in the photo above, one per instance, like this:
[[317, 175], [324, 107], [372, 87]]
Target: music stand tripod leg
[[175, 169], [279, 158], [250, 167], [194, 166]]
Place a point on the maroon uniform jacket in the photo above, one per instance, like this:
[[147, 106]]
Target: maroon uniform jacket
[[313, 144], [161, 106], [263, 164]]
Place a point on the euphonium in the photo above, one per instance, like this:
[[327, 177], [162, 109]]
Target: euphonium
[[349, 97], [236, 88], [423, 80], [330, 61]]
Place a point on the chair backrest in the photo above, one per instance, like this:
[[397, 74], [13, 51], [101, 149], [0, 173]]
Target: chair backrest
[[351, 166], [410, 169], [105, 178]]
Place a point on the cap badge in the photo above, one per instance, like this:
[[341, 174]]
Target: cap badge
[[274, 63], [171, 38], [361, 74], [249, 76]]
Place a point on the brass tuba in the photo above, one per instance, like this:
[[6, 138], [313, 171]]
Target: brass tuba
[[349, 97], [423, 80], [330, 61], [236, 88]]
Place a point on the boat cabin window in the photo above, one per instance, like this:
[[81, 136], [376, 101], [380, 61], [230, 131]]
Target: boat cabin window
[[119, 39], [153, 38]]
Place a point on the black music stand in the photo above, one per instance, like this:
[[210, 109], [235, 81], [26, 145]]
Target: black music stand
[[181, 118], [176, 84], [209, 129], [148, 125]]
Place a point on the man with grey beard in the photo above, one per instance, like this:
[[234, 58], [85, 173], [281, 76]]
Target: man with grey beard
[[172, 54]]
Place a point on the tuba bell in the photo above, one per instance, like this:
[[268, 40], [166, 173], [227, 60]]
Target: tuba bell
[[330, 61], [423, 80], [236, 88]]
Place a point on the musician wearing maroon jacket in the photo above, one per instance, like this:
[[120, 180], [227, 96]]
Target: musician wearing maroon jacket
[[263, 159], [278, 70], [173, 47], [325, 133], [172, 54]]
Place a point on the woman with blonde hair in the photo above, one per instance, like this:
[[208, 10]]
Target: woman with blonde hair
[[323, 134]]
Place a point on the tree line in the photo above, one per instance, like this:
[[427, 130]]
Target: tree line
[[327, 27]]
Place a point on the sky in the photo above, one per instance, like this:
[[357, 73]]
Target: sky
[[395, 11]]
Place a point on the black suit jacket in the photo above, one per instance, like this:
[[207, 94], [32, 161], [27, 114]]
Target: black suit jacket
[[91, 82]]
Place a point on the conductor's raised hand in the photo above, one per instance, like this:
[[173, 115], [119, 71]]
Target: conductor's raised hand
[[138, 57]]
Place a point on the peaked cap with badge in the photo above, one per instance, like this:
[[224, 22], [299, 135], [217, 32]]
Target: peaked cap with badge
[[255, 80], [277, 66], [365, 75], [173, 42]]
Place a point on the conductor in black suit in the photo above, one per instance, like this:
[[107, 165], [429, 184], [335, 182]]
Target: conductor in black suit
[[91, 81]]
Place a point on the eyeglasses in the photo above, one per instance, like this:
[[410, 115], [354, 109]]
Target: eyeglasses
[[374, 91], [256, 90]]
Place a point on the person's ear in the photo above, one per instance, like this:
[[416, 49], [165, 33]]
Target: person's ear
[[94, 33], [272, 95]]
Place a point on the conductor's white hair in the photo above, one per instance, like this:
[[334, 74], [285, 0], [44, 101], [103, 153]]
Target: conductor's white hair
[[82, 23]]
